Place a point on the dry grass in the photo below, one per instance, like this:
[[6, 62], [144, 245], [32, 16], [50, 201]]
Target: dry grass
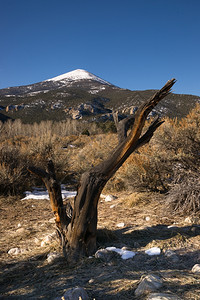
[[30, 276], [153, 168], [143, 212]]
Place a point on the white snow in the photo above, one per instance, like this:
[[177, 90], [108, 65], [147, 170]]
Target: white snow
[[153, 251], [112, 206], [120, 225], [97, 90], [109, 198], [125, 254], [171, 226], [78, 74], [37, 92], [40, 194]]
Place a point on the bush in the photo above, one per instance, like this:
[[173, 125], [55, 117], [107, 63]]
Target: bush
[[13, 174], [154, 167], [184, 195]]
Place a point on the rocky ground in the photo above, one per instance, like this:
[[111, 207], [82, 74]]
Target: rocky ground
[[131, 221]]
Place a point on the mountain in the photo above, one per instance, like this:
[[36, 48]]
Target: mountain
[[77, 75], [78, 79], [82, 95]]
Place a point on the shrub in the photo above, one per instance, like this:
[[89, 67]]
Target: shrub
[[13, 175], [155, 167], [184, 195]]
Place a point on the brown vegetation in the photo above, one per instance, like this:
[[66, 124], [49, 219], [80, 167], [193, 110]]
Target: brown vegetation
[[167, 161]]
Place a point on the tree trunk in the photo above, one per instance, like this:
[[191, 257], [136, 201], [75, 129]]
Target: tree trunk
[[80, 232]]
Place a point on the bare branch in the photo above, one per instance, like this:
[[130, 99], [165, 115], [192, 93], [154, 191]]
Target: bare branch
[[54, 190], [149, 133], [123, 126], [122, 152], [39, 172], [115, 118]]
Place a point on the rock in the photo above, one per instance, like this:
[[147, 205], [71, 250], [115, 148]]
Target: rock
[[103, 254], [103, 196], [76, 114], [47, 240], [125, 254], [120, 225], [133, 110], [188, 220], [14, 251], [10, 107], [148, 284], [126, 248], [112, 206], [162, 296], [37, 241], [110, 198], [172, 255], [54, 235], [196, 269], [153, 251], [20, 231], [42, 244], [75, 294], [52, 256], [169, 253], [91, 281], [52, 220]]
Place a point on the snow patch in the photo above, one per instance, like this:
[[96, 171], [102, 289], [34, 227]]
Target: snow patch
[[37, 92], [41, 194], [120, 225], [153, 251], [78, 74], [110, 198], [125, 254]]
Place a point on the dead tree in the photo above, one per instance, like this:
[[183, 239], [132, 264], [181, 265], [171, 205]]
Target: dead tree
[[79, 232]]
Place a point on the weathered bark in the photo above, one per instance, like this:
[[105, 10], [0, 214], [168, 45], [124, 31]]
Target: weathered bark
[[54, 190], [81, 232], [123, 126]]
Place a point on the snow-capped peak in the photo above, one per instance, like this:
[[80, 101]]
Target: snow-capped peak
[[77, 75]]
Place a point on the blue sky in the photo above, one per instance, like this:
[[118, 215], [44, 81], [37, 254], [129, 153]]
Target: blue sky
[[134, 44]]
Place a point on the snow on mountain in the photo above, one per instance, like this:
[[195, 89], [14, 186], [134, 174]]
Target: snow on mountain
[[77, 75]]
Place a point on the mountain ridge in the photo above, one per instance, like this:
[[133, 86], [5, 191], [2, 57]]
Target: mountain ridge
[[79, 94]]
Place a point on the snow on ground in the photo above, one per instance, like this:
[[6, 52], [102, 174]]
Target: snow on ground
[[40, 194], [78, 75], [125, 254], [153, 251]]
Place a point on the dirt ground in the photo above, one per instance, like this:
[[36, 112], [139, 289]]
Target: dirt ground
[[28, 275]]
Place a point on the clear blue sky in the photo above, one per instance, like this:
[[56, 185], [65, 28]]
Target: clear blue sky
[[134, 44]]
